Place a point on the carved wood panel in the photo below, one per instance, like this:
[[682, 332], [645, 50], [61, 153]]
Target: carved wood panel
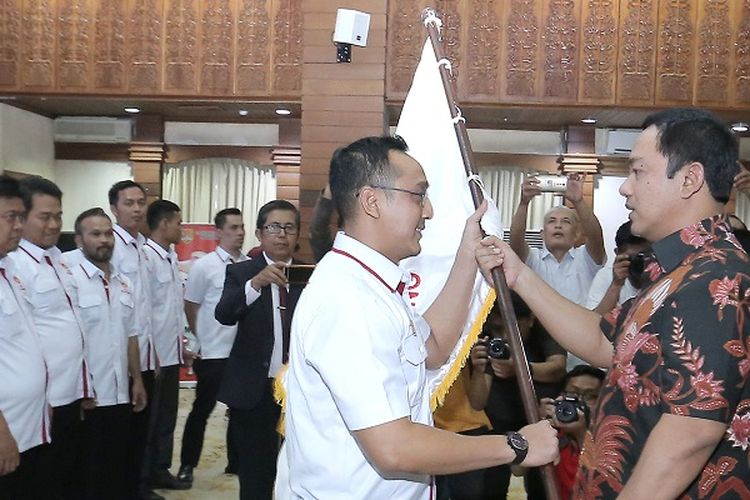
[[73, 57], [10, 42], [598, 51], [217, 55], [522, 50], [406, 36], [38, 62], [144, 43], [109, 61], [637, 52], [287, 47], [714, 54], [560, 45], [676, 55], [484, 51], [741, 80], [180, 46], [253, 47]]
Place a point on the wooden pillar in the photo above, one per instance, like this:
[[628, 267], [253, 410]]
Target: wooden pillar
[[341, 102], [580, 158], [287, 159], [146, 153]]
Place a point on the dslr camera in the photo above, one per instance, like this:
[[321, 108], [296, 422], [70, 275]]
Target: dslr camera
[[497, 348], [566, 409]]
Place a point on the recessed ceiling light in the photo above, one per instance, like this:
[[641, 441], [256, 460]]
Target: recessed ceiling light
[[739, 127], [588, 120], [243, 112], [505, 118], [283, 111], [132, 109]]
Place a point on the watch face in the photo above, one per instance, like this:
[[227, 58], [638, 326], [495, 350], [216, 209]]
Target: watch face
[[517, 441]]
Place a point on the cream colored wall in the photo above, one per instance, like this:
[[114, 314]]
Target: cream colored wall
[[26, 142], [85, 185]]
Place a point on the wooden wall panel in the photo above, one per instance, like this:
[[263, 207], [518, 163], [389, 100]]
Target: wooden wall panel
[[598, 56], [217, 47], [480, 80], [253, 59], [145, 46], [10, 43], [675, 60], [637, 52], [38, 46], [561, 50], [287, 48], [181, 47], [74, 29], [741, 78], [715, 57], [109, 50], [522, 67]]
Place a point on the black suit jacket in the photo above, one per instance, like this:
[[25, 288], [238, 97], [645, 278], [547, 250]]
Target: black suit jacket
[[246, 373]]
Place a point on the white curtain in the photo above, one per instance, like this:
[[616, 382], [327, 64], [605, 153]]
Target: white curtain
[[742, 207], [203, 187], [504, 185]]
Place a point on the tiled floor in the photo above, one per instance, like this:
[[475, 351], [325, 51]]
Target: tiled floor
[[210, 481]]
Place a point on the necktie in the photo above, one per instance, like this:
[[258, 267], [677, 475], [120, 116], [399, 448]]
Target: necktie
[[285, 323]]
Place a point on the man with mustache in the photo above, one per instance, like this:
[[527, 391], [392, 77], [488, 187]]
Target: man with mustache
[[107, 312], [674, 414]]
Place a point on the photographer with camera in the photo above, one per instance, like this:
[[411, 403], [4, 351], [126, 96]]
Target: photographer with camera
[[569, 270], [615, 284], [570, 413], [497, 391]]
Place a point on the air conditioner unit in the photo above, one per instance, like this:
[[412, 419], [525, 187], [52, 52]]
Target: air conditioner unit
[[620, 141], [92, 129]]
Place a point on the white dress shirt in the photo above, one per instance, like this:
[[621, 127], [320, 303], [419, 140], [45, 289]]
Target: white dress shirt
[[128, 259], [107, 313], [23, 391], [599, 287], [205, 282], [167, 308], [572, 277], [49, 291], [251, 295], [357, 360]]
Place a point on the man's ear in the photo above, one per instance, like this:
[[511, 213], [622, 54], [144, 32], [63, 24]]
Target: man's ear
[[693, 179], [78, 241], [369, 202], [257, 234]]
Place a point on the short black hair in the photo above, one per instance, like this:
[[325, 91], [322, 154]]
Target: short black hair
[[687, 135], [579, 370], [91, 212], [275, 205], [221, 216], [624, 236], [38, 185], [10, 187], [362, 163], [160, 210], [114, 191]]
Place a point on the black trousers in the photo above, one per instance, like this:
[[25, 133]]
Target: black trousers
[[163, 419], [139, 436], [107, 432], [209, 373], [257, 443], [66, 451], [30, 479]]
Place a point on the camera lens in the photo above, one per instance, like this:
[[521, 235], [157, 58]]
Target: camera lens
[[566, 411], [498, 349]]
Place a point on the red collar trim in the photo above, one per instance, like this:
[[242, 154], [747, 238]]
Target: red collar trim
[[368, 269]]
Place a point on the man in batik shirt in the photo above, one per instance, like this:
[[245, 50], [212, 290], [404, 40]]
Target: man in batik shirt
[[673, 418]]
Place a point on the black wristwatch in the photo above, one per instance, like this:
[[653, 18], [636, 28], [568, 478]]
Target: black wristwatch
[[519, 444]]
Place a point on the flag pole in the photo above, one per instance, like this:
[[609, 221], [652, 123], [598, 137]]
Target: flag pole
[[523, 373]]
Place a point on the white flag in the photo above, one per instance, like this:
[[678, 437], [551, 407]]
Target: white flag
[[426, 125]]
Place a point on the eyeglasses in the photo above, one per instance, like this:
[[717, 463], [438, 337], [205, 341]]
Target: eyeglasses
[[421, 195], [12, 217], [276, 228]]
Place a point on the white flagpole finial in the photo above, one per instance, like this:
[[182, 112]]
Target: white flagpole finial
[[430, 16]]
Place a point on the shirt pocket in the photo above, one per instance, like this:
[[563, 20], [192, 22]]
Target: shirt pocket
[[47, 293], [89, 307], [413, 355], [10, 314]]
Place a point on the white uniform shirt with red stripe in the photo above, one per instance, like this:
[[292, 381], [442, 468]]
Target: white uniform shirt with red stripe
[[205, 282], [23, 374], [357, 360], [107, 313], [128, 259], [48, 289], [167, 311]]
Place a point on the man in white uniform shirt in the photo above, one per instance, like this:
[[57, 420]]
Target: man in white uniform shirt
[[167, 329], [24, 411], [203, 290], [358, 419], [127, 200], [613, 285], [566, 268], [49, 292], [106, 305]]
